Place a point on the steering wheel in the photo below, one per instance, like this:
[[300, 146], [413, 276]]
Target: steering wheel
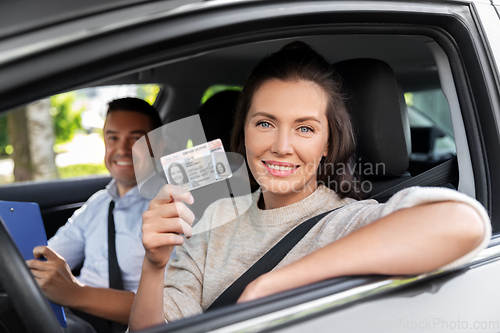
[[23, 292]]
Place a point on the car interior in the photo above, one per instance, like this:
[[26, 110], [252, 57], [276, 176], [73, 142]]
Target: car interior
[[404, 106], [376, 69], [374, 88]]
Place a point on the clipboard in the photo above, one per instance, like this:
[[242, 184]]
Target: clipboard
[[25, 224]]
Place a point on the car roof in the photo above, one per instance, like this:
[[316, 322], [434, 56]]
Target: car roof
[[27, 15], [242, 57], [18, 17], [26, 27]]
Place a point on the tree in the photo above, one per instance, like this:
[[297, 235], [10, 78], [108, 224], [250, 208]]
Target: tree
[[31, 133], [67, 120], [4, 136], [41, 140], [18, 136]]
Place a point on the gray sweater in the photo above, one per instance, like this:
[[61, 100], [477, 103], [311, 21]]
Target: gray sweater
[[224, 246]]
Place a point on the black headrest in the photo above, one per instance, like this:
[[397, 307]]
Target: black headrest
[[376, 104], [217, 116]]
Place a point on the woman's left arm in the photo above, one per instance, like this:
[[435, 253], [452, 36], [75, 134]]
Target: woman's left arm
[[410, 241]]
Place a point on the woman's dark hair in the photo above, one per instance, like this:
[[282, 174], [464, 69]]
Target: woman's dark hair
[[184, 175], [298, 62], [136, 105]]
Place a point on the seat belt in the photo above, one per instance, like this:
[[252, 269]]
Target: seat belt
[[441, 174], [267, 262], [446, 172]]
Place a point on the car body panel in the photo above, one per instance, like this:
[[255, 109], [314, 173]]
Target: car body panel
[[488, 22], [328, 310], [93, 48], [53, 36], [465, 301]]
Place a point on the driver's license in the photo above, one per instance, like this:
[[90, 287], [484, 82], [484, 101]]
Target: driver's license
[[198, 166]]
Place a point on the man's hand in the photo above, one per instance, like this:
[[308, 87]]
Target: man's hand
[[54, 276]]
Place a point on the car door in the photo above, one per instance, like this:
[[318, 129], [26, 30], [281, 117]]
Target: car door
[[467, 70]]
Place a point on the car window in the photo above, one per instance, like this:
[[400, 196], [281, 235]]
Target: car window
[[216, 88], [61, 136], [431, 129], [432, 105]]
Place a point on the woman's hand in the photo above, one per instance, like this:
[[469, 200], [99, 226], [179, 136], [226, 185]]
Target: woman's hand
[[165, 223]]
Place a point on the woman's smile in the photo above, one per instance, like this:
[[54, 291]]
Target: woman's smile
[[280, 169]]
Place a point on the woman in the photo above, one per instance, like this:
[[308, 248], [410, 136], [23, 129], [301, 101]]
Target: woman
[[177, 175], [221, 169], [290, 122]]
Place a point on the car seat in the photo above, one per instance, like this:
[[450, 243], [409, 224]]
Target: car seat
[[376, 104], [217, 116]]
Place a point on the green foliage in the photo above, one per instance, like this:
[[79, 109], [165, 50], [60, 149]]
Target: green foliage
[[212, 90], [78, 170], [148, 92], [4, 135], [67, 120], [409, 99]]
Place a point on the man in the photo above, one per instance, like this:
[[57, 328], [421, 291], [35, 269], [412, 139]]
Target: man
[[84, 238]]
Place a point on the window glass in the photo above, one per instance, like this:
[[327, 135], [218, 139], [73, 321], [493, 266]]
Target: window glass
[[430, 121], [212, 90], [61, 136]]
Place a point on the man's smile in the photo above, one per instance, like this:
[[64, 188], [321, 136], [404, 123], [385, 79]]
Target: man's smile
[[124, 163]]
